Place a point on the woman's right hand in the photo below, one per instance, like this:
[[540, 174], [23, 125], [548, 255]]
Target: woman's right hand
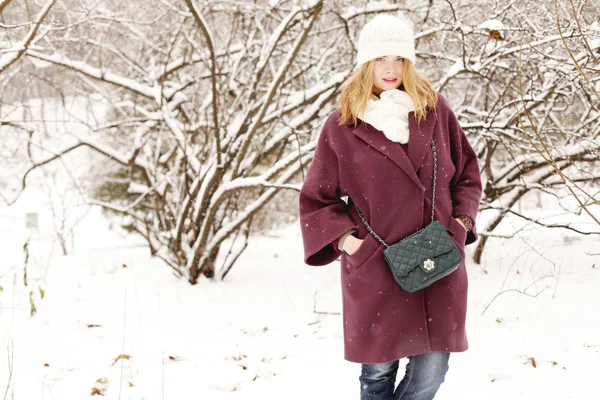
[[352, 244]]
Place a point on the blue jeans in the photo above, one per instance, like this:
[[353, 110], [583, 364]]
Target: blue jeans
[[424, 375]]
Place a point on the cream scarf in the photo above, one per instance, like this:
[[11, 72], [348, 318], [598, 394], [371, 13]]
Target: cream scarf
[[389, 114]]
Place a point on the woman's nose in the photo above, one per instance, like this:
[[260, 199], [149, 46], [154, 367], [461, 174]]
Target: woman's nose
[[390, 68]]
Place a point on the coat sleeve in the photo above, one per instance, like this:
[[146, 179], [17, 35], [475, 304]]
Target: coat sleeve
[[465, 186], [323, 214]]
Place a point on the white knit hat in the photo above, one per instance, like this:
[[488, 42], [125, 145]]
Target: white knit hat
[[386, 35]]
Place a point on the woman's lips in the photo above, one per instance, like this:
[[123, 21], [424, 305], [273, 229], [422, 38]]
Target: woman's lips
[[390, 80]]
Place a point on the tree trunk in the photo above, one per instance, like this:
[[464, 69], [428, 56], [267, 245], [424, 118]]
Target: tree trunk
[[479, 249]]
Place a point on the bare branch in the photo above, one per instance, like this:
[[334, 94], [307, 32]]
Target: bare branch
[[18, 49], [208, 36]]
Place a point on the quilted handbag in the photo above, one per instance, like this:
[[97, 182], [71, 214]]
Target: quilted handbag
[[425, 256]]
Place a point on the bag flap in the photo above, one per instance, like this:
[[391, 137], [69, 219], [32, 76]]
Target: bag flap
[[412, 251]]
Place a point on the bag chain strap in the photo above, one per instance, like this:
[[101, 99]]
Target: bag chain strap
[[432, 201]]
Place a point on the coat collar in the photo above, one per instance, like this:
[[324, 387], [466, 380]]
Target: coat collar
[[418, 143]]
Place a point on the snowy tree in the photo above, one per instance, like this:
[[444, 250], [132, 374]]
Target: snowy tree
[[525, 84], [207, 131]]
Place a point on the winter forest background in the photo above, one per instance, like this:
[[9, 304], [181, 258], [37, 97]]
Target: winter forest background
[[152, 151]]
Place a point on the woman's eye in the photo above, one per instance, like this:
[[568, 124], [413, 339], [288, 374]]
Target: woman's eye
[[399, 59]]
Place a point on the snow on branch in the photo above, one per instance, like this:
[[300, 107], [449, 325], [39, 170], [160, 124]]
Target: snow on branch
[[97, 73], [202, 253], [373, 7], [283, 69], [18, 49]]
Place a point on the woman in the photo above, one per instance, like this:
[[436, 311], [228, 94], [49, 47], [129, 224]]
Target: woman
[[375, 149]]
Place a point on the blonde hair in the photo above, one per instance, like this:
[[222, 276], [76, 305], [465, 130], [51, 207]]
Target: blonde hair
[[359, 88]]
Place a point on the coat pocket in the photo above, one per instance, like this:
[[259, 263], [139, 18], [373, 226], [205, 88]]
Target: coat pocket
[[459, 233], [368, 247]]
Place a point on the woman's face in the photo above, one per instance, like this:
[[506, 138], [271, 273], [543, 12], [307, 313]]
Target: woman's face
[[387, 73]]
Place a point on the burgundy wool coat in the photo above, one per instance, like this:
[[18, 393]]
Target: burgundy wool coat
[[393, 189]]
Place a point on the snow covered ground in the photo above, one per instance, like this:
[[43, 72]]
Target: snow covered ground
[[115, 321]]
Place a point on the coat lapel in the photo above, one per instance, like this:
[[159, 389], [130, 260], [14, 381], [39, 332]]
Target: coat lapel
[[420, 138], [418, 144]]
